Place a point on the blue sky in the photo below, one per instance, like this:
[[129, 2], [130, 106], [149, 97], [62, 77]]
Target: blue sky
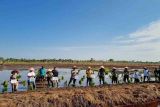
[[80, 29]]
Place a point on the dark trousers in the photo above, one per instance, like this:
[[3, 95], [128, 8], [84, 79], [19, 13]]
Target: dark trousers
[[101, 79], [74, 81], [146, 77], [13, 87], [126, 78], [89, 81], [136, 80], [50, 82], [114, 79]]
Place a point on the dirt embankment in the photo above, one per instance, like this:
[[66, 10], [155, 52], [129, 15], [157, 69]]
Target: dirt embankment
[[106, 96], [80, 65]]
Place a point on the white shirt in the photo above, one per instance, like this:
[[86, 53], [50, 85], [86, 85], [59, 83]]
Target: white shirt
[[31, 74]]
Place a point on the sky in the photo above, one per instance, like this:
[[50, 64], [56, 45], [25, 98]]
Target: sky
[[80, 29]]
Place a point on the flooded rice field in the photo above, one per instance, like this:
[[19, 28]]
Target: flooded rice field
[[64, 76]]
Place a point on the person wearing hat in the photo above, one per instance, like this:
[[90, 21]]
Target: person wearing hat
[[156, 74], [49, 77], [31, 78], [136, 76], [14, 80], [74, 74], [42, 72], [55, 76], [101, 75], [114, 76], [89, 73], [126, 75], [146, 74]]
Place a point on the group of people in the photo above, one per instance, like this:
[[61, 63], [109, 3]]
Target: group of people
[[51, 76]]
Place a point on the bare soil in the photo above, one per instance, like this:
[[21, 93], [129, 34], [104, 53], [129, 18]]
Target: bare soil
[[131, 95]]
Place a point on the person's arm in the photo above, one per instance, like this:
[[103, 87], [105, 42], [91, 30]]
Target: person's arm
[[99, 72]]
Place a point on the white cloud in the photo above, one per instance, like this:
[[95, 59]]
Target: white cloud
[[147, 34], [142, 44]]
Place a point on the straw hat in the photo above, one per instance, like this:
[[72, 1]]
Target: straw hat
[[102, 66], [31, 69], [49, 70], [114, 68], [74, 67], [89, 67], [126, 67]]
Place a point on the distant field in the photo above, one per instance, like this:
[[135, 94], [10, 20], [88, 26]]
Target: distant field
[[80, 64]]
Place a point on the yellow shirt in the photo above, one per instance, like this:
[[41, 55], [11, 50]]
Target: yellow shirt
[[89, 73]]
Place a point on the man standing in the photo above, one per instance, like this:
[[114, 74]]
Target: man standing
[[55, 76], [101, 75], [146, 74], [74, 74], [126, 75]]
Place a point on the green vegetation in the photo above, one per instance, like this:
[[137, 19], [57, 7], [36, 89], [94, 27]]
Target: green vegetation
[[24, 83], [68, 61], [5, 86], [62, 78], [19, 77]]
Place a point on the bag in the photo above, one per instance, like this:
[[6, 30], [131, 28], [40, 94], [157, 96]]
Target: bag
[[14, 81], [54, 78]]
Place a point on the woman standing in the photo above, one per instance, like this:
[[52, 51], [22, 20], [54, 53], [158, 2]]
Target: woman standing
[[89, 73], [14, 80]]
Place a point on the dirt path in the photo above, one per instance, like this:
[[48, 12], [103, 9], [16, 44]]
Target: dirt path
[[106, 96]]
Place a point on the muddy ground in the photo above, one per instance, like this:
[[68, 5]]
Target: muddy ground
[[104, 96]]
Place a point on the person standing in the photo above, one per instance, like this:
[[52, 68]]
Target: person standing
[[42, 73], [101, 75], [89, 73], [49, 78], [14, 80], [31, 78], [114, 76], [55, 76], [126, 75], [74, 74], [146, 74], [136, 76], [156, 74]]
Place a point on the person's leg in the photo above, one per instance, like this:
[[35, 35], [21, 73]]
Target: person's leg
[[90, 79], [103, 79], [74, 82], [100, 80], [34, 85], [144, 79], [48, 80], [70, 81], [15, 86], [12, 87], [128, 78], [52, 82], [87, 81], [124, 79]]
